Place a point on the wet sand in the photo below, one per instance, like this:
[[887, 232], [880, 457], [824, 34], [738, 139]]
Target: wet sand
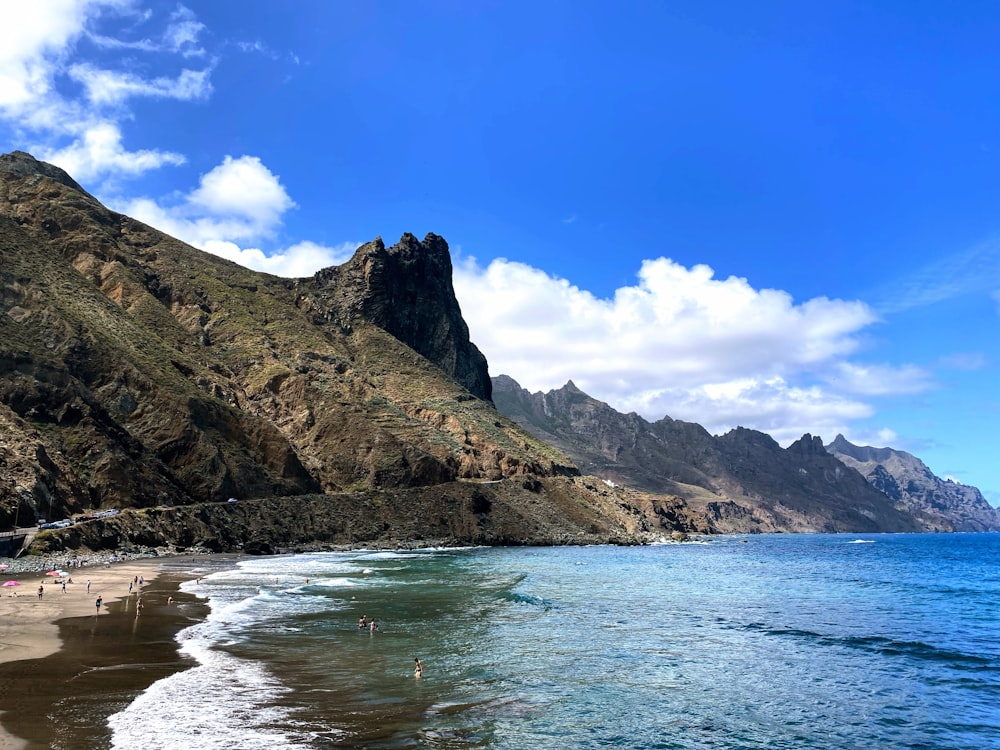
[[64, 668]]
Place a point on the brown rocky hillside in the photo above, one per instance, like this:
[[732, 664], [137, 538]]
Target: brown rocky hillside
[[137, 372]]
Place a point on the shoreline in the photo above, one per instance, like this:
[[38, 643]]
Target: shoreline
[[64, 667]]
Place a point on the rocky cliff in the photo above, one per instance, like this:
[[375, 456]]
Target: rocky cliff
[[907, 481], [407, 291], [137, 372], [741, 481]]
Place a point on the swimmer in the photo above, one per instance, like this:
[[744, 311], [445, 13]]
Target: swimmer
[[363, 622], [418, 668]]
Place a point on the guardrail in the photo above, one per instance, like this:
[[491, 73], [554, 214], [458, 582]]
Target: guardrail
[[19, 531]]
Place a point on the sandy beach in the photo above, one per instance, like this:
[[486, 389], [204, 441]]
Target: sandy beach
[[59, 652]]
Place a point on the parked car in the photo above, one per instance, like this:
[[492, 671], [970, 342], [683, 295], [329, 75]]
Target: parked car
[[57, 524]]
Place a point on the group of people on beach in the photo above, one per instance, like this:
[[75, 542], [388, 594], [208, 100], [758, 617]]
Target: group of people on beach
[[134, 587]]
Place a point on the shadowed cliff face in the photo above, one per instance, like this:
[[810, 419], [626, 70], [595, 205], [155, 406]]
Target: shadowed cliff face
[[140, 372], [407, 291]]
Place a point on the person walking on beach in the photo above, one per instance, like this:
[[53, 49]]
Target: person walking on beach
[[41, 590], [64, 586], [88, 587], [138, 607], [100, 601]]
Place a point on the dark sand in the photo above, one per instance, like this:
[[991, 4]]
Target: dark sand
[[63, 700]]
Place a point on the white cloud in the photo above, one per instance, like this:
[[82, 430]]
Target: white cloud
[[100, 151], [33, 38], [183, 32], [239, 200], [243, 188], [772, 405], [112, 87], [680, 343]]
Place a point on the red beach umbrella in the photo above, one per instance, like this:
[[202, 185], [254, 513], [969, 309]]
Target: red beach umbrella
[[53, 573], [12, 583]]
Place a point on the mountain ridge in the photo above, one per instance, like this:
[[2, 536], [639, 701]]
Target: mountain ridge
[[740, 481], [910, 483]]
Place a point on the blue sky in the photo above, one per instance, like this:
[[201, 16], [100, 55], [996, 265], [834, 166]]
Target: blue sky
[[776, 215]]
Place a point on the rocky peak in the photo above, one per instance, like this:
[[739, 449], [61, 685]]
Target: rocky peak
[[842, 446], [506, 384], [807, 445], [909, 482], [23, 164], [407, 290]]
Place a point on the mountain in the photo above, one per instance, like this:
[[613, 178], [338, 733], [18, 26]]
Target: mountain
[[907, 481], [741, 481], [138, 373]]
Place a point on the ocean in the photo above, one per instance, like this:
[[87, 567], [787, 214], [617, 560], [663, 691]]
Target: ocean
[[775, 641]]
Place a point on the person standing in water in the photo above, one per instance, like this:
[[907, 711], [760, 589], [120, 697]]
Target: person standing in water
[[418, 667]]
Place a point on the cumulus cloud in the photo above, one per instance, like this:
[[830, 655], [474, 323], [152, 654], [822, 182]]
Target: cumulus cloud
[[243, 189], [239, 201], [682, 343], [99, 150]]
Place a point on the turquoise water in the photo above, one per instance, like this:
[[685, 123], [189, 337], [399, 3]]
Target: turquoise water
[[806, 641]]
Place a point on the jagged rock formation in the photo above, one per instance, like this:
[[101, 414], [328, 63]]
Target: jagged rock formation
[[138, 372], [407, 291], [907, 481], [740, 481]]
